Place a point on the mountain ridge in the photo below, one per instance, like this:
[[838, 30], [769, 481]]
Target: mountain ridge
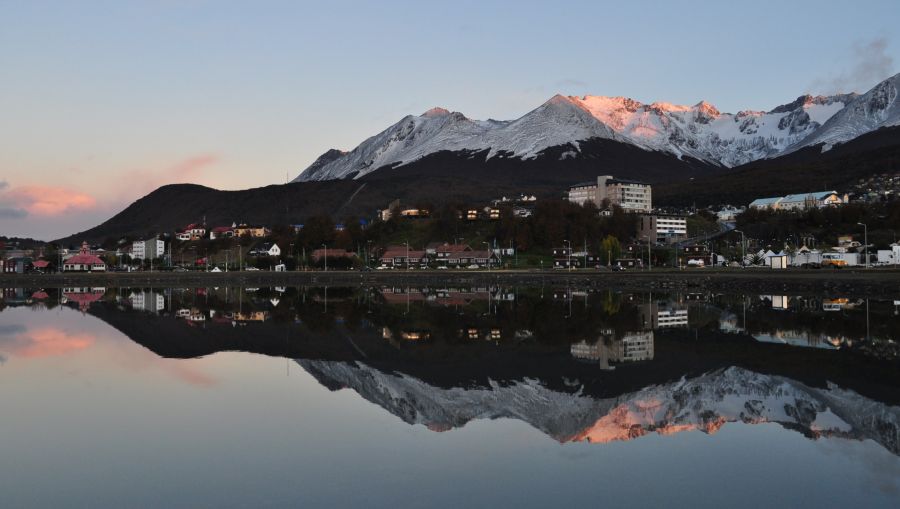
[[700, 131]]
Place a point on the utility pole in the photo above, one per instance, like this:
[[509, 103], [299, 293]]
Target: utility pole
[[743, 256], [866, 241]]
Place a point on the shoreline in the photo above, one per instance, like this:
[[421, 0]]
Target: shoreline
[[881, 281]]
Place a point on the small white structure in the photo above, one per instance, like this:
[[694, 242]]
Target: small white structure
[[280, 268], [779, 261]]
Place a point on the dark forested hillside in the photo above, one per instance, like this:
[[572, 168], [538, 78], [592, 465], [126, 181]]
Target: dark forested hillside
[[809, 169], [441, 178]]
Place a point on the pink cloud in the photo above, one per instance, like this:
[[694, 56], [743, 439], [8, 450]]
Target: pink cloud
[[47, 342], [49, 200], [187, 170]]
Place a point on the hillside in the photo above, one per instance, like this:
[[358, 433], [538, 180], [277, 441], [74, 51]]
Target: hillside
[[808, 169], [439, 178]]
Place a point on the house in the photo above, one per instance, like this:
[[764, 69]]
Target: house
[[630, 195], [193, 231], [415, 213], [449, 254], [17, 265], [564, 258], [400, 256], [482, 258], [41, 265], [221, 232], [265, 249], [84, 261], [251, 231]]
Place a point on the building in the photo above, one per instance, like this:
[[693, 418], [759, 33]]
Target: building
[[266, 249], [148, 249], [662, 228], [149, 301], [631, 347], [192, 231], [400, 256], [630, 195], [84, 261], [221, 232], [450, 254], [17, 265], [800, 201], [251, 231]]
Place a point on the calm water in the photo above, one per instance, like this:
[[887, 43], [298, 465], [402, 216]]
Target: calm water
[[447, 397]]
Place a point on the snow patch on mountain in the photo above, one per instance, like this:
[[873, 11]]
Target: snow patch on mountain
[[704, 403], [877, 108]]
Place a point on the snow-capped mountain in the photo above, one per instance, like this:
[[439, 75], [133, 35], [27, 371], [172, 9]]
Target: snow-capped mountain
[[879, 107], [704, 403], [700, 131]]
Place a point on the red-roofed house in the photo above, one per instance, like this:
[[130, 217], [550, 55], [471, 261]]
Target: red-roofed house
[[398, 256], [84, 261], [449, 254], [220, 232]]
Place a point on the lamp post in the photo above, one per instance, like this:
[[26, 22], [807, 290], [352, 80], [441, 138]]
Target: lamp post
[[568, 254], [325, 246], [743, 256], [489, 256], [866, 241], [407, 255]]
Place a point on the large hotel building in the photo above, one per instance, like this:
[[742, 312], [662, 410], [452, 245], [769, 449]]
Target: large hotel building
[[631, 195]]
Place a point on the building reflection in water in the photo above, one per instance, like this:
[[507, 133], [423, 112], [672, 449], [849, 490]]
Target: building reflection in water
[[630, 347]]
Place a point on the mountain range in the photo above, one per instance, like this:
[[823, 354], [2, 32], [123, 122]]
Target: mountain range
[[565, 123], [705, 403], [693, 155]]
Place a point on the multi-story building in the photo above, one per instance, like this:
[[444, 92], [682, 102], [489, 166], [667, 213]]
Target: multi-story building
[[631, 347], [631, 195], [662, 228], [144, 249]]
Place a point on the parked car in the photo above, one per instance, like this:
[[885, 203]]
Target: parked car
[[473, 266]]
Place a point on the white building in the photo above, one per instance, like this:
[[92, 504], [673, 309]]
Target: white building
[[148, 249], [800, 201], [152, 302], [631, 195], [662, 228]]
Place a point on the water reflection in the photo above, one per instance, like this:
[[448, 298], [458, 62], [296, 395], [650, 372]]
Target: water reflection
[[580, 367]]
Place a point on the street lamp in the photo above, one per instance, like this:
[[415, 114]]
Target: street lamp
[[743, 255], [407, 256], [325, 246], [568, 254], [866, 241], [489, 256]]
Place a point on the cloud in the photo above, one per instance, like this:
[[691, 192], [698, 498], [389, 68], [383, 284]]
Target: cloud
[[46, 201], [46, 342], [571, 83], [872, 64], [12, 213], [187, 170]]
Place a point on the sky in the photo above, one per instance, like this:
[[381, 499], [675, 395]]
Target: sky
[[103, 101]]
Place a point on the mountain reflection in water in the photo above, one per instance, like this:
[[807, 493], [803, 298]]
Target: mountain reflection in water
[[576, 365]]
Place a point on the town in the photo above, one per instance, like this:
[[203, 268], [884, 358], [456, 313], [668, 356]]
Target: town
[[603, 224]]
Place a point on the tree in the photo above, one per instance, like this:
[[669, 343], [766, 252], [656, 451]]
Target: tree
[[610, 249]]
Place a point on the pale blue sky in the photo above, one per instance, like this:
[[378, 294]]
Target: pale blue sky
[[111, 99]]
